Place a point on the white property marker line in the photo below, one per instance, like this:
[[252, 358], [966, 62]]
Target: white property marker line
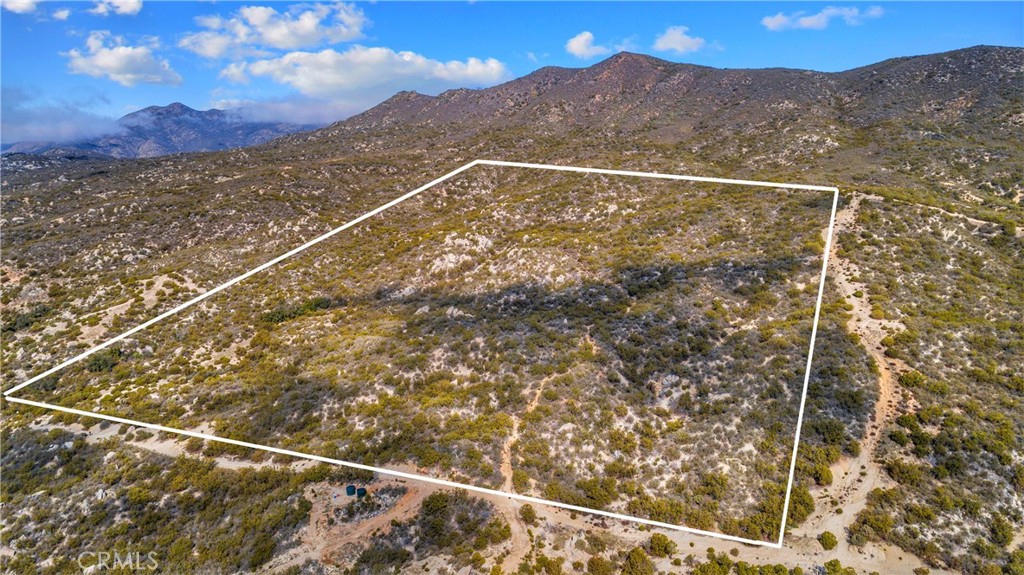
[[391, 472], [8, 393], [658, 176], [232, 282], [807, 372], [395, 202]]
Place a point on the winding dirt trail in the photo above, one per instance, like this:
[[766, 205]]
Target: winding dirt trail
[[973, 221], [171, 447], [855, 477], [509, 508], [521, 543], [513, 437]]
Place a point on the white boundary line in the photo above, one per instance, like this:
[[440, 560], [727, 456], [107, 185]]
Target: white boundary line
[[807, 372], [658, 176], [391, 472], [235, 280], [792, 467]]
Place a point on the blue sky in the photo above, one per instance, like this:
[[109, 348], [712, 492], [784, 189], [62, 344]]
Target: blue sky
[[70, 68]]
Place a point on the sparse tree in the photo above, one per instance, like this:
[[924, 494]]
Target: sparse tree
[[528, 514], [637, 563], [598, 565], [661, 546]]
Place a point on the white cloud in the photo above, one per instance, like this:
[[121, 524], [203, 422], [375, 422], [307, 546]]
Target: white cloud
[[627, 45], [675, 39], [61, 14], [235, 73], [19, 6], [369, 75], [122, 7], [802, 21], [107, 56], [874, 12], [775, 23], [207, 44], [31, 116], [293, 109], [582, 46], [300, 26]]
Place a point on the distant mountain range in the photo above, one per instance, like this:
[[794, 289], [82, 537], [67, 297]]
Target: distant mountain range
[[161, 130]]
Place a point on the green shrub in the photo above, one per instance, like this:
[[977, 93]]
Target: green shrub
[[285, 312], [661, 546], [637, 563], [103, 361], [1000, 531], [828, 540], [528, 514], [598, 565], [912, 379], [834, 567]]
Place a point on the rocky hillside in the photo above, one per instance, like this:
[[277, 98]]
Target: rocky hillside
[[388, 344], [630, 91], [940, 120], [162, 130]]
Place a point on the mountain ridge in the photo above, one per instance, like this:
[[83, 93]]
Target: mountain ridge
[[161, 130], [657, 87]]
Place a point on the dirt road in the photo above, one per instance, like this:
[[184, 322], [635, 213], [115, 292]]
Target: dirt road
[[855, 477], [171, 447]]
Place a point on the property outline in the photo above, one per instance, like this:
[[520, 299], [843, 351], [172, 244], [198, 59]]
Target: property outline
[[417, 477]]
